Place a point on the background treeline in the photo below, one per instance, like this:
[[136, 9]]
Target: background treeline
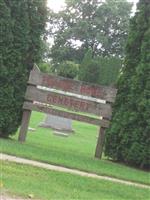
[[99, 70], [90, 34]]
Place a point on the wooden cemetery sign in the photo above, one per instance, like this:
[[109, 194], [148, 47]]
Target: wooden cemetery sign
[[41, 99]]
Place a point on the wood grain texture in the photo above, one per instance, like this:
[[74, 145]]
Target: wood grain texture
[[75, 103], [73, 86], [24, 125], [70, 102], [100, 143], [73, 116]]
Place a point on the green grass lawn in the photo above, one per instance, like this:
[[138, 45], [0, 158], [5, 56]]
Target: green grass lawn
[[75, 151], [43, 184]]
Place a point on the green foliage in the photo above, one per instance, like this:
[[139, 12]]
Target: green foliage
[[45, 67], [22, 24], [127, 139], [100, 26], [68, 69], [89, 69], [100, 70], [109, 70]]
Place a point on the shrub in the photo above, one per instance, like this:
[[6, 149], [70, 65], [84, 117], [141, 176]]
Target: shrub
[[68, 69], [109, 70]]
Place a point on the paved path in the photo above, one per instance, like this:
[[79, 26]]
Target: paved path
[[6, 157], [6, 197]]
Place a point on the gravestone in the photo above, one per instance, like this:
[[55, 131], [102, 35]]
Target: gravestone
[[57, 123]]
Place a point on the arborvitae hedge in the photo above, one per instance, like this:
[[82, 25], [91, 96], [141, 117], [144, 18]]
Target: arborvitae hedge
[[109, 70], [89, 69], [100, 70], [22, 25], [86, 69], [127, 139]]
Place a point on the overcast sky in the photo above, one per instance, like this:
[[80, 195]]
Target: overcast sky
[[56, 5]]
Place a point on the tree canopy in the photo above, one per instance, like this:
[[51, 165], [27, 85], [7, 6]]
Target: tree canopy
[[83, 25]]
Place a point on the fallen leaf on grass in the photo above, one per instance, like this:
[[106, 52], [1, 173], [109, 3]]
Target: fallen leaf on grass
[[31, 196], [1, 184]]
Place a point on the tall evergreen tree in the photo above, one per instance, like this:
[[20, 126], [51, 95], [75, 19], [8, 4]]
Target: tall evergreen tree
[[127, 138], [22, 26], [89, 68]]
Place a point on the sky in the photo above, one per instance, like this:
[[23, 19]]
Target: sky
[[56, 5]]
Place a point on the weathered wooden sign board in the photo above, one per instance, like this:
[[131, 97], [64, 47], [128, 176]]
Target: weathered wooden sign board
[[41, 100]]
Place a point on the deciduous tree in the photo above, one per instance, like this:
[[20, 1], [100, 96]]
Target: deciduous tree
[[98, 25]]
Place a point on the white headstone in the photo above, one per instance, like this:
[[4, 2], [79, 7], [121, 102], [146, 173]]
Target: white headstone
[[57, 123]]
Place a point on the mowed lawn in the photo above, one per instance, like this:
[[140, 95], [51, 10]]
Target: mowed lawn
[[75, 151], [26, 181]]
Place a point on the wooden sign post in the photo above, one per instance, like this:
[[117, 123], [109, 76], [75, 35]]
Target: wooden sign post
[[80, 97]]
